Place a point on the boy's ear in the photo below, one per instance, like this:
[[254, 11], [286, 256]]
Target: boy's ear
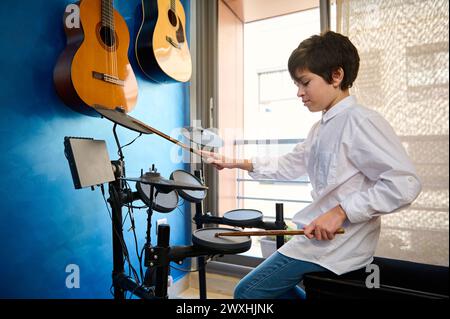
[[337, 76]]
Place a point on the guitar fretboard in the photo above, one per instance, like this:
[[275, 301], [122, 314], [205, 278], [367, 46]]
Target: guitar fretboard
[[172, 5], [108, 14]]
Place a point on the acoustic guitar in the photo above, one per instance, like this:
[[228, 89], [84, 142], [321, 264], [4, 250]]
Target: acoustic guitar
[[94, 69], [161, 46]]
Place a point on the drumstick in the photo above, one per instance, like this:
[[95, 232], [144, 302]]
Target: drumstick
[[269, 233], [167, 137]]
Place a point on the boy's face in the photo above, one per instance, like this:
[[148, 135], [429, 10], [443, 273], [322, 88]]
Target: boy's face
[[316, 93]]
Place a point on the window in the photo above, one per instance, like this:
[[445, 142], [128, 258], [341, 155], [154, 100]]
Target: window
[[275, 120]]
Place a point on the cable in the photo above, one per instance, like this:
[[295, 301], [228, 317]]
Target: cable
[[179, 209], [140, 134], [125, 250], [130, 213], [125, 218], [122, 243], [127, 188], [133, 227], [102, 188], [136, 244], [116, 196], [122, 147]]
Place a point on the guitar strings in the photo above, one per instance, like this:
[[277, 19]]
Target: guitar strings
[[113, 36], [112, 42], [107, 26], [115, 47], [107, 37]]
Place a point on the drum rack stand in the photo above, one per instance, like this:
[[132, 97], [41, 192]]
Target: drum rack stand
[[200, 219], [119, 195], [157, 257]]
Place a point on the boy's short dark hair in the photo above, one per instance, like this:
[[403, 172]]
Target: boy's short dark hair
[[323, 54]]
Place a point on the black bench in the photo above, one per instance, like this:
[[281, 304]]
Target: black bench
[[399, 279]]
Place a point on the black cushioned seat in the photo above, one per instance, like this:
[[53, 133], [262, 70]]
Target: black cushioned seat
[[399, 279]]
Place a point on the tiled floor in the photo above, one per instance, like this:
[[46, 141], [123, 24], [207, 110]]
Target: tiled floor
[[193, 293], [218, 287]]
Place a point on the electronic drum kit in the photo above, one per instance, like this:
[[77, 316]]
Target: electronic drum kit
[[162, 195]]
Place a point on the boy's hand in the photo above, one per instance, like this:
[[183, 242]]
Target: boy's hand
[[217, 160], [220, 161], [325, 226]]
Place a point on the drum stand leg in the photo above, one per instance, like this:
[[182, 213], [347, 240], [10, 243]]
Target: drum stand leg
[[117, 236], [162, 272], [279, 220], [160, 258], [201, 265], [149, 278]]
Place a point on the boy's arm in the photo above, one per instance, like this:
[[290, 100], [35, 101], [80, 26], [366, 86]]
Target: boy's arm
[[288, 166], [221, 161], [378, 153]]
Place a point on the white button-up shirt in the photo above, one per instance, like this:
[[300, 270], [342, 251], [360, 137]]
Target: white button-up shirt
[[353, 158]]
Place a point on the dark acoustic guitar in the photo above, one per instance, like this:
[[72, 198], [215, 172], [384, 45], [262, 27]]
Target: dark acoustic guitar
[[161, 47], [94, 69]]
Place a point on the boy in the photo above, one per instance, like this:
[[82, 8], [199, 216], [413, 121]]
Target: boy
[[357, 166]]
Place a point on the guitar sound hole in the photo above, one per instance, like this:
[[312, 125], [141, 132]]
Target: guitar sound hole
[[180, 33], [172, 18], [108, 36]]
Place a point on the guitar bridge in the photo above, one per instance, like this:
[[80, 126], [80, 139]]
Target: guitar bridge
[[173, 43], [108, 78]]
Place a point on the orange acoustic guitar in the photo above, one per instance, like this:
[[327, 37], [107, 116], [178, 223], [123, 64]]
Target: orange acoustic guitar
[[94, 69], [161, 46]]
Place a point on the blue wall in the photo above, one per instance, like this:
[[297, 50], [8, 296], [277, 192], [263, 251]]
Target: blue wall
[[45, 223]]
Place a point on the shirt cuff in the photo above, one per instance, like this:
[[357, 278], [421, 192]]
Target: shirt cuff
[[355, 211], [256, 167]]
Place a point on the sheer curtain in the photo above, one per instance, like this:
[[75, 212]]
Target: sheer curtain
[[403, 46]]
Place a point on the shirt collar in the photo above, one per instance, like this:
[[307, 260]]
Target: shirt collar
[[338, 108]]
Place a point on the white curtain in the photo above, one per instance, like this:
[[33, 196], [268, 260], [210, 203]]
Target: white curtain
[[404, 75]]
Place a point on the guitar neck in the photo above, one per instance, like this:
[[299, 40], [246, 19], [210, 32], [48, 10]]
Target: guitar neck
[[172, 5], [108, 14]]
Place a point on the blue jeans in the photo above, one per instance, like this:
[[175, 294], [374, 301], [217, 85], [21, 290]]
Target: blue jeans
[[275, 278]]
